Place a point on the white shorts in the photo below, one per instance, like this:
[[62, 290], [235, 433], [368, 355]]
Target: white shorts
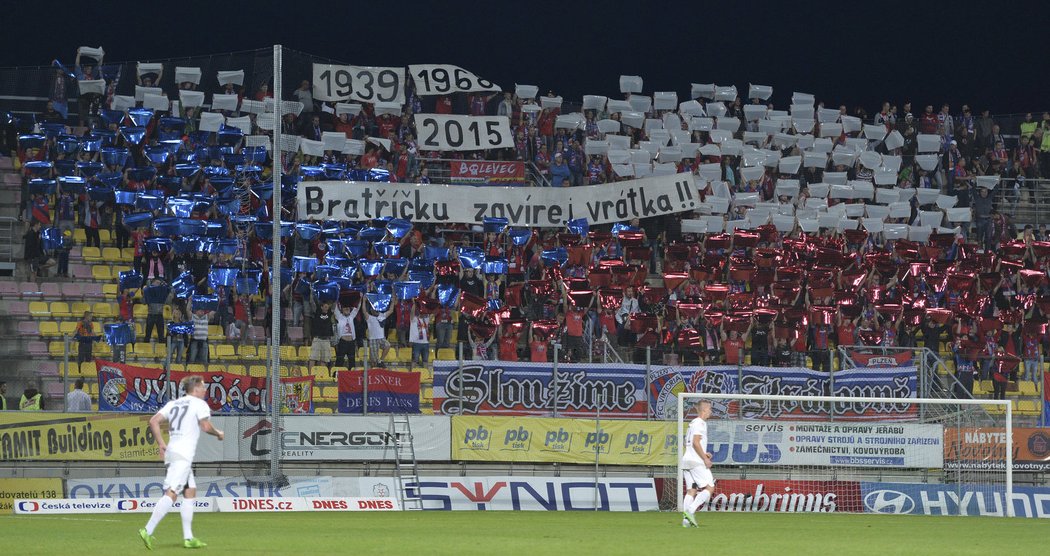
[[180, 476], [699, 477]]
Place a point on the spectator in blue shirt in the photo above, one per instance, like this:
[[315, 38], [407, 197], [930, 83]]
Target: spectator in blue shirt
[[560, 176]]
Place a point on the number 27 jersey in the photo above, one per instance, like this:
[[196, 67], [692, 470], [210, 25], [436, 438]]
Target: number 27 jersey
[[184, 429]]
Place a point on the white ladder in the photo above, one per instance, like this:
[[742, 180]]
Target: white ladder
[[406, 470]]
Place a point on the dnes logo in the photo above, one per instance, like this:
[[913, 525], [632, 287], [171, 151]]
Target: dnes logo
[[889, 502]]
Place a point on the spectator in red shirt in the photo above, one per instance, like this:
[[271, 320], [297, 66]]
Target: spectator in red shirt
[[508, 346], [537, 349], [575, 317], [443, 105], [733, 344]]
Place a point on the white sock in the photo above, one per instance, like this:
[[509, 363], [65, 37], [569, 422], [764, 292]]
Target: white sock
[[701, 497], [159, 511], [687, 502], [187, 517]]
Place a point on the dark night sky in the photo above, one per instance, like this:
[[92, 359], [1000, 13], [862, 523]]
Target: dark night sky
[[990, 55]]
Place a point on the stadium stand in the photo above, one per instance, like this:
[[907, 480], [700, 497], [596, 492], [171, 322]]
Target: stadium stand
[[820, 227]]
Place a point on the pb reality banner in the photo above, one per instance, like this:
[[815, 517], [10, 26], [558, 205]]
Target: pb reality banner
[[76, 437], [901, 445], [985, 448], [894, 382], [563, 441], [510, 388], [544, 207], [15, 489]]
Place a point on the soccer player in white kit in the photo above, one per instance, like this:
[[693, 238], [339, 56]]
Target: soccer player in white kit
[[696, 466], [186, 417]]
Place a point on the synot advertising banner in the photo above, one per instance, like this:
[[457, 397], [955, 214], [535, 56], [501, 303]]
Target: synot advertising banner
[[132, 388], [954, 499], [975, 449], [543, 207], [899, 445], [488, 172], [75, 437], [785, 496], [388, 391], [511, 388], [326, 438], [892, 382], [539, 440], [628, 494]]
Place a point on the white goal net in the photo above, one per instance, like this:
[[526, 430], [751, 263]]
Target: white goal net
[[850, 454]]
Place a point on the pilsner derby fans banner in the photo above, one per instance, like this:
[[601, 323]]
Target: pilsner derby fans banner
[[388, 391], [530, 206]]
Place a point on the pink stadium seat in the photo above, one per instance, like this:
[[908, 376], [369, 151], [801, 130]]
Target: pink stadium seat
[[49, 369], [30, 289], [51, 290], [27, 328], [295, 334], [55, 389], [76, 251], [18, 308], [73, 290], [37, 349], [12, 179], [256, 333], [91, 290], [80, 271], [8, 289]]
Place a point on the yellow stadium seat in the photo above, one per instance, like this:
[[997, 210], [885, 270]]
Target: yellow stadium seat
[[257, 370], [111, 255], [87, 368], [215, 332], [446, 354], [144, 350], [139, 311], [196, 368], [49, 329], [304, 353], [102, 273], [110, 290], [39, 309], [56, 349], [80, 236], [247, 352], [167, 312], [78, 308], [236, 369], [426, 374], [67, 327], [60, 309], [92, 388], [223, 351], [104, 236], [288, 353], [92, 254], [323, 410], [1027, 388]]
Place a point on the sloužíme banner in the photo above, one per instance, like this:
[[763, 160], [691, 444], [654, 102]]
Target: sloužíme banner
[[542, 207]]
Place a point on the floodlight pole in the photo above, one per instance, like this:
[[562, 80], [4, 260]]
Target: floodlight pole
[[275, 268]]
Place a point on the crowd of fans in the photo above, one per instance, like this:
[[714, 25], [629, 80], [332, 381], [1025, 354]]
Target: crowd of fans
[[768, 295]]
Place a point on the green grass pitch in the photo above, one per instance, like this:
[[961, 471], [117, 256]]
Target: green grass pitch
[[532, 533]]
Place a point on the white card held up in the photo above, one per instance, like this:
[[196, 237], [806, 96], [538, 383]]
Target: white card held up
[[231, 76], [630, 84], [761, 92], [187, 75], [191, 99]]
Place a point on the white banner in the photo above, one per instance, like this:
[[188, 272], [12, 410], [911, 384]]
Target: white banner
[[439, 132], [330, 438], [442, 79], [902, 445], [543, 207], [307, 504], [102, 506], [340, 83], [216, 487]]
